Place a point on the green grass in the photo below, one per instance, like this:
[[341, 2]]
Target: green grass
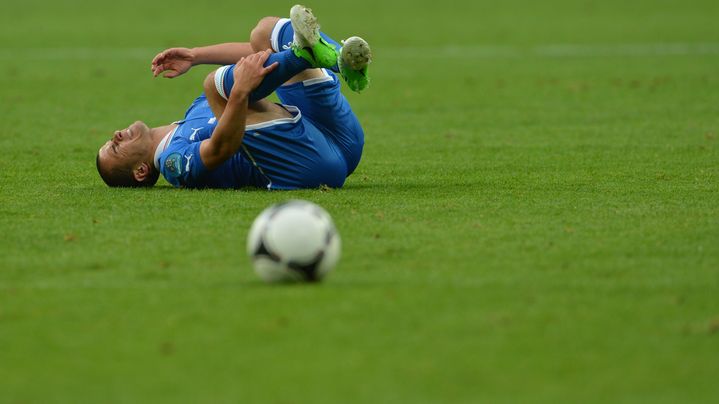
[[535, 219]]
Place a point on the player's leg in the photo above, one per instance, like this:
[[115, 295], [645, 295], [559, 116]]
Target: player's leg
[[288, 66], [302, 29], [322, 103], [218, 84], [278, 34], [317, 94], [308, 50]]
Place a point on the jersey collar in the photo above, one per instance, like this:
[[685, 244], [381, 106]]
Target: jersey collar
[[162, 146]]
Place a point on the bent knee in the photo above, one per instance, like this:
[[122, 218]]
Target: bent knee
[[260, 35], [219, 83], [209, 84], [215, 93]]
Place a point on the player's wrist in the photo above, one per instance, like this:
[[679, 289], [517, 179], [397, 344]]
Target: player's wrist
[[239, 94], [195, 56]]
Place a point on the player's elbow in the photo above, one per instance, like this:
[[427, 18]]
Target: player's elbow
[[214, 152], [225, 150]]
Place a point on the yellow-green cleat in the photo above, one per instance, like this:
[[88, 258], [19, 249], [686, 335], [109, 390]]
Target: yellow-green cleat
[[355, 57], [307, 43]]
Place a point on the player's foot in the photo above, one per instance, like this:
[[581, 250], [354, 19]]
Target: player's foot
[[307, 43], [355, 57]]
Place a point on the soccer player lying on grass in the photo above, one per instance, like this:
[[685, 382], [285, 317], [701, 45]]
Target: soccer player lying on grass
[[231, 137]]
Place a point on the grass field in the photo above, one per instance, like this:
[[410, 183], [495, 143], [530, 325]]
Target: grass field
[[535, 219]]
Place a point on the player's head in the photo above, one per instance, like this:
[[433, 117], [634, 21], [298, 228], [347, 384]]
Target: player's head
[[126, 159]]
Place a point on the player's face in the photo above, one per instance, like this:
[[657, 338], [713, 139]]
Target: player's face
[[127, 146]]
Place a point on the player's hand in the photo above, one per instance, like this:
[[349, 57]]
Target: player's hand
[[250, 71], [173, 62]]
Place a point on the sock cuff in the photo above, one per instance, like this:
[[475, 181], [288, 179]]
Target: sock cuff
[[220, 81], [276, 31]]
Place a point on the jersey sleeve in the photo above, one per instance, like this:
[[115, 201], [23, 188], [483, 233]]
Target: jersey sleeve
[[182, 166]]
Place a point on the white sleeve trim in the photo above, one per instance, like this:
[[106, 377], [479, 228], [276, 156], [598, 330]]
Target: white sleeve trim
[[220, 81], [275, 36]]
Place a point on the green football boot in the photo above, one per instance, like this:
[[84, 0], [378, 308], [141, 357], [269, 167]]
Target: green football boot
[[355, 57], [307, 43]]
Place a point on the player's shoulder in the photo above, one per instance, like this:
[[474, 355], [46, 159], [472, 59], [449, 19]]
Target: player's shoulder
[[181, 164], [171, 167]]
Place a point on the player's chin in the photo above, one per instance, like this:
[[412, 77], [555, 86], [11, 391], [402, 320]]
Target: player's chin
[[140, 127]]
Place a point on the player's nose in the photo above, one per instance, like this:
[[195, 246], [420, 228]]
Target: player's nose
[[117, 137]]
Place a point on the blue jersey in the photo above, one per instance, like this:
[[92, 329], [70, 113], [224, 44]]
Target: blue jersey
[[180, 161], [321, 147]]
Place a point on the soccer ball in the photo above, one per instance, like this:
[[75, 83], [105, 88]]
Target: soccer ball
[[293, 241]]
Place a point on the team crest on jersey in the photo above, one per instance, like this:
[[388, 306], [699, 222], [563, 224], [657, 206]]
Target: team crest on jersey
[[173, 165]]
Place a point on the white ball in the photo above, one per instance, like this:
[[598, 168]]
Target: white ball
[[293, 241]]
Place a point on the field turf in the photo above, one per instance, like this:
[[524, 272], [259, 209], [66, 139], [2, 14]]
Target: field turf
[[535, 219]]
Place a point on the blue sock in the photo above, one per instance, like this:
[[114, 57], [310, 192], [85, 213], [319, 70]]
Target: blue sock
[[289, 66]]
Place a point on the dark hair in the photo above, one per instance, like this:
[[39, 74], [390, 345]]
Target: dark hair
[[123, 177]]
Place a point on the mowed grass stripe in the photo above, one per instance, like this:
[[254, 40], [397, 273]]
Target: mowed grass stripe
[[483, 51]]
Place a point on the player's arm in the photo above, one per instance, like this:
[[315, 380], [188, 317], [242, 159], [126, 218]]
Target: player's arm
[[228, 134], [222, 54], [176, 61]]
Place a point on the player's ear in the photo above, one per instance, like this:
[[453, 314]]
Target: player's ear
[[141, 172]]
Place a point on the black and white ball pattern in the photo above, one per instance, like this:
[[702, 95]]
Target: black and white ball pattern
[[293, 241]]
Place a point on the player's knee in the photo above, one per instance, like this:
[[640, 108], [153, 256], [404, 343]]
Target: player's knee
[[209, 85], [217, 86], [219, 83], [260, 35], [214, 98]]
